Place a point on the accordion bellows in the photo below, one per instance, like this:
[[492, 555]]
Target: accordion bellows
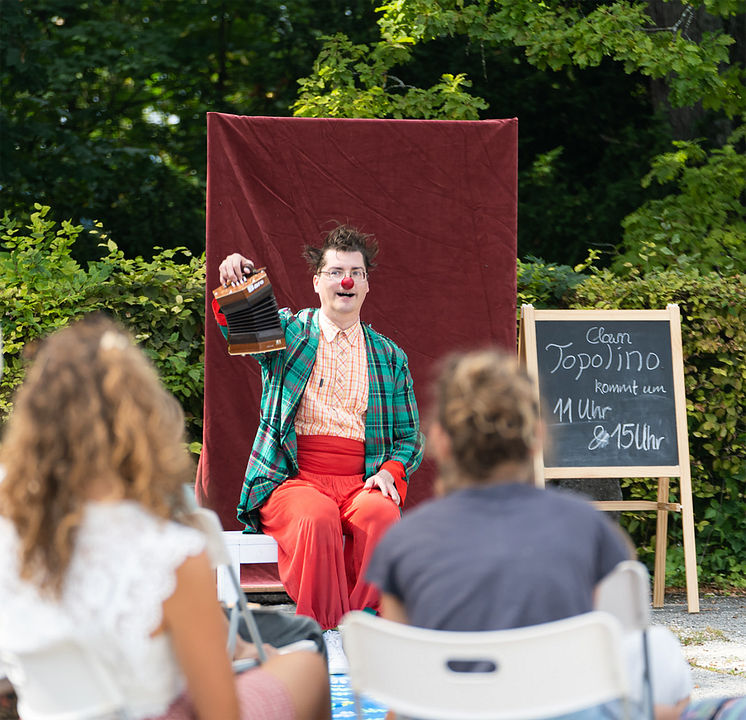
[[251, 313]]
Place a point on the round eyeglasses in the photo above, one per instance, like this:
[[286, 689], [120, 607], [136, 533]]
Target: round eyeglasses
[[337, 275]]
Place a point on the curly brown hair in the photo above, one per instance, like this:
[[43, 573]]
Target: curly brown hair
[[489, 409], [91, 409], [344, 238]]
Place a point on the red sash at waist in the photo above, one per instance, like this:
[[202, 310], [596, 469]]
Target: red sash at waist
[[327, 455]]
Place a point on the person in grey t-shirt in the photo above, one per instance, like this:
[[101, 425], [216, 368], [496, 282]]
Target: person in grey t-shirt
[[494, 552]]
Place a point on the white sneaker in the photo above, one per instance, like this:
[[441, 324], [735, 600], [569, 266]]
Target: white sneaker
[[338, 664]]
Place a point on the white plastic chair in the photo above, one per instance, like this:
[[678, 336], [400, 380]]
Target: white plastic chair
[[538, 672], [64, 681], [625, 594], [208, 521], [243, 549]]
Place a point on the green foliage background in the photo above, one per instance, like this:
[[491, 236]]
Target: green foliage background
[[702, 226], [160, 301]]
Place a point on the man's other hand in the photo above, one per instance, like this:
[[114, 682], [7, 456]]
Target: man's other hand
[[384, 481], [234, 268]]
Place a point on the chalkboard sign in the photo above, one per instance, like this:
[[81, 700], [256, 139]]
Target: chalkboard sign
[[607, 393], [611, 386]]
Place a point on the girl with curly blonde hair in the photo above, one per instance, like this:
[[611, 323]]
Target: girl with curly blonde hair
[[92, 547]]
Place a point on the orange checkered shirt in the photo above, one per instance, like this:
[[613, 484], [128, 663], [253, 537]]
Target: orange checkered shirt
[[336, 397]]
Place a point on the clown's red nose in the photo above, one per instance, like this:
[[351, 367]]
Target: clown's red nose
[[348, 283]]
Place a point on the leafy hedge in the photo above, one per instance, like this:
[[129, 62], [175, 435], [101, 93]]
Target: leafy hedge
[[548, 285], [161, 302], [713, 317]]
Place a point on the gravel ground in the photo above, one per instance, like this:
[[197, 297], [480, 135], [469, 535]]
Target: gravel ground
[[714, 641]]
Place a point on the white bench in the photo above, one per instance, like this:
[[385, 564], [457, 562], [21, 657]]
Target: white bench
[[244, 549]]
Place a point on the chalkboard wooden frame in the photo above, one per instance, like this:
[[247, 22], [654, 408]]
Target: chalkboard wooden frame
[[528, 354]]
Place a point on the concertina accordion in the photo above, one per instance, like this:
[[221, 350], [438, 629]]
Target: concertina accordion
[[251, 313]]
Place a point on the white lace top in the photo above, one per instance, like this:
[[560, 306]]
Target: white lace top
[[122, 570]]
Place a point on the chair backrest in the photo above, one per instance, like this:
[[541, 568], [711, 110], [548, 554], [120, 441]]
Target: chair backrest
[[625, 594], [209, 522], [537, 672], [64, 681]]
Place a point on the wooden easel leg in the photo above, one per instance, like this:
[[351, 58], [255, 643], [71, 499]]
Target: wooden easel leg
[[690, 547], [661, 543]]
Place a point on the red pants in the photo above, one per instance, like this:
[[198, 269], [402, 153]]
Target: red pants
[[308, 516]]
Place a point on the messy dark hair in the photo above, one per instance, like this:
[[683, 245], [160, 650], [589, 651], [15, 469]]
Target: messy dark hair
[[344, 238]]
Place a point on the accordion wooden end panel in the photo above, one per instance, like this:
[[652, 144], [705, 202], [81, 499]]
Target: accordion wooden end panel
[[251, 312]]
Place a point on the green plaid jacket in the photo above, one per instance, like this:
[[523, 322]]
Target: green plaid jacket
[[392, 425]]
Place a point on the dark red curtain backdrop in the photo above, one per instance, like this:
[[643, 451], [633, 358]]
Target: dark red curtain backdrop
[[439, 196]]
